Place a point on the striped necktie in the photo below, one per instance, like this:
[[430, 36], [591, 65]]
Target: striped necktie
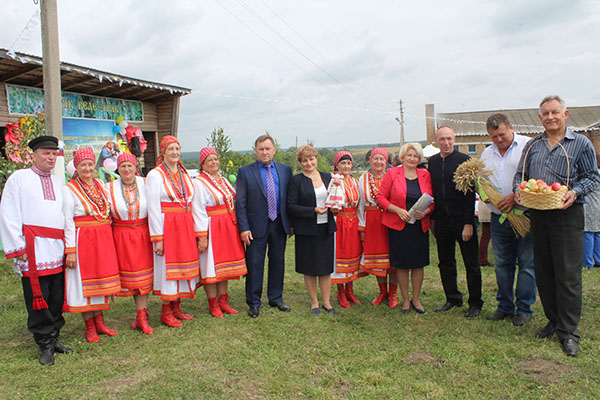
[[271, 195]]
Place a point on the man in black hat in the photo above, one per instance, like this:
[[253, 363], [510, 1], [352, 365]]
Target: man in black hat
[[31, 225]]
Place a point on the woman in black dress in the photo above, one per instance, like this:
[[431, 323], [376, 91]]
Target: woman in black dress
[[409, 243], [314, 226]]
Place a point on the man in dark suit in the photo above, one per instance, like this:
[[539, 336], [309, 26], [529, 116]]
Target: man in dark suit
[[263, 221]]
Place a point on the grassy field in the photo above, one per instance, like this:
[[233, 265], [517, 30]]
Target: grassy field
[[366, 353]]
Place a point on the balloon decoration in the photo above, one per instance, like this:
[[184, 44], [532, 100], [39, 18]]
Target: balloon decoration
[[131, 135], [110, 164], [71, 167], [232, 178]]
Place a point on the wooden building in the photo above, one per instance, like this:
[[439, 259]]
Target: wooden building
[[158, 103], [472, 136]]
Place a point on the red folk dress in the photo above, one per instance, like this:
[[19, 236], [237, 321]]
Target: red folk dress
[[348, 247], [129, 210], [214, 213], [88, 234], [177, 272], [376, 258]]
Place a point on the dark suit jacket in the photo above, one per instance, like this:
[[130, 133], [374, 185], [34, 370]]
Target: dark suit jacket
[[251, 200], [301, 203]]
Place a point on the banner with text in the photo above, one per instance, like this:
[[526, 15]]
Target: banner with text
[[28, 100]]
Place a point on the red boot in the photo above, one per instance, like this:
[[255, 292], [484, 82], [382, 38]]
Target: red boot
[[341, 296], [177, 311], [393, 295], [102, 328], [141, 322], [224, 304], [90, 331], [213, 307], [167, 317], [350, 294], [383, 294]]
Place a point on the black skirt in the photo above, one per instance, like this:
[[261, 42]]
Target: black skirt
[[409, 248], [314, 253]]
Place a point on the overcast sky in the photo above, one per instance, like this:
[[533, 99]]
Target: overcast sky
[[331, 71]]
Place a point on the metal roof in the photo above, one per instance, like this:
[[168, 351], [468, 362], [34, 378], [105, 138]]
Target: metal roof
[[26, 70], [524, 121]]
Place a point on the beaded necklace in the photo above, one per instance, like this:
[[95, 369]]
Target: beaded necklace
[[374, 183], [351, 191], [133, 207], [95, 197], [228, 195], [180, 193]]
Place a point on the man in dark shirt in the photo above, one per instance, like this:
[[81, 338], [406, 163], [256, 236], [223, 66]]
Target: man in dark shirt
[[453, 220]]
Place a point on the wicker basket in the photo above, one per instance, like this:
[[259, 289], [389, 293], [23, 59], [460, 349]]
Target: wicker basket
[[544, 201]]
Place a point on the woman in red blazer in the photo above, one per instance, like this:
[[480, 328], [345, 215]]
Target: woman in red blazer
[[409, 243]]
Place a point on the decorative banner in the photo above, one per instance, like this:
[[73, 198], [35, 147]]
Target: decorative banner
[[80, 133], [27, 100]]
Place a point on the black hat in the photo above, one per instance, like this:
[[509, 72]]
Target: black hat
[[44, 142]]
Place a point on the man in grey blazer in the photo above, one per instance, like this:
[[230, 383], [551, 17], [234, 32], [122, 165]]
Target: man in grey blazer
[[260, 204]]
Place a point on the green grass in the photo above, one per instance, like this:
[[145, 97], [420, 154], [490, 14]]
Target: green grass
[[367, 353]]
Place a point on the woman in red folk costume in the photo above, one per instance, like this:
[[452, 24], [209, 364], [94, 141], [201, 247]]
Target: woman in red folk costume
[[129, 209], [221, 251], [348, 247], [373, 233], [170, 191], [92, 274]]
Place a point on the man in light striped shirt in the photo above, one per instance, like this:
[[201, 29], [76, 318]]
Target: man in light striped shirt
[[558, 234]]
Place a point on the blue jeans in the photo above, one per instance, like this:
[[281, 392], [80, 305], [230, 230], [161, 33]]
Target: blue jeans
[[508, 251], [591, 249]]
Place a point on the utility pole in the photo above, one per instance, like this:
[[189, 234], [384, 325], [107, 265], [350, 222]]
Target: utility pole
[[401, 122], [51, 71]]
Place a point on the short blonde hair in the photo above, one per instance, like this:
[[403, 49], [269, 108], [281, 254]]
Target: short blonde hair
[[415, 146], [306, 151]]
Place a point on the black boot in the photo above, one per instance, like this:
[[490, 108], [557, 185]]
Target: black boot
[[46, 345], [59, 347]]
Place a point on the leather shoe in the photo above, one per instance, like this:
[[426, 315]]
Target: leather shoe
[[472, 312], [281, 306], [315, 311], [61, 348], [499, 315], [447, 307], [521, 319], [47, 356], [253, 312], [570, 347], [331, 311], [546, 332], [418, 310]]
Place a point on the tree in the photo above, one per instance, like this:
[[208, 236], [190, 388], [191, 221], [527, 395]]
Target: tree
[[219, 141]]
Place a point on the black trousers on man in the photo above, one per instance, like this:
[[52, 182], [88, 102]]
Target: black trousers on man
[[49, 320], [557, 237], [447, 233], [275, 239]]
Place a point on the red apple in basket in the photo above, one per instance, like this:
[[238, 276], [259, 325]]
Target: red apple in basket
[[556, 186]]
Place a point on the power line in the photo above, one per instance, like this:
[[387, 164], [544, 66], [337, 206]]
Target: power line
[[288, 58], [367, 92]]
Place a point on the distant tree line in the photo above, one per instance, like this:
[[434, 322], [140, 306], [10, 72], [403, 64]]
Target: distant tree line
[[231, 160]]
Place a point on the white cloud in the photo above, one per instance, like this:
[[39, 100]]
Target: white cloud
[[460, 55]]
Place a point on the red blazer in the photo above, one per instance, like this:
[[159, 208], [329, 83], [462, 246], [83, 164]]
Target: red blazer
[[393, 191]]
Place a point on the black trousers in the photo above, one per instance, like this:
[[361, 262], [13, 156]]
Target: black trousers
[[557, 237], [275, 239], [447, 233], [46, 321]]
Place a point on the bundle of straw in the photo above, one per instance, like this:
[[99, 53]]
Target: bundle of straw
[[471, 175]]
